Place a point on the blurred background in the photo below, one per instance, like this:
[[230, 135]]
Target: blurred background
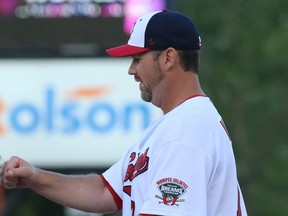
[[65, 106]]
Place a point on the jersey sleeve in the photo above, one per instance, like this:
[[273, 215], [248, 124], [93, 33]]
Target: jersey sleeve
[[112, 178], [179, 178]]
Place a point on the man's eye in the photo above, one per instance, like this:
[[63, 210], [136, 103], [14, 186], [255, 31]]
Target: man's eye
[[136, 60]]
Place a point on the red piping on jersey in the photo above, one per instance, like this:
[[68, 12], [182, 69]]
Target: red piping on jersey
[[239, 213], [225, 128], [116, 197], [147, 215], [193, 96]]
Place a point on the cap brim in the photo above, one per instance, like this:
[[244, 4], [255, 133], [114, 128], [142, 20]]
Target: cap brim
[[125, 50]]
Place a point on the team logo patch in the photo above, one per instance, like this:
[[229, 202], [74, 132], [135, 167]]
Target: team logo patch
[[171, 190]]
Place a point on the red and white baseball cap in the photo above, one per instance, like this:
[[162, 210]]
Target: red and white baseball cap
[[158, 31]]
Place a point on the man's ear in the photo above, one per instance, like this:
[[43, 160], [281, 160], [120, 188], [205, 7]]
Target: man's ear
[[169, 58]]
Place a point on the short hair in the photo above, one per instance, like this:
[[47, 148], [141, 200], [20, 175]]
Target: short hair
[[189, 59]]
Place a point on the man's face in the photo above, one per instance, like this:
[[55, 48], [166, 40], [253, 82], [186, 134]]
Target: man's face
[[146, 70]]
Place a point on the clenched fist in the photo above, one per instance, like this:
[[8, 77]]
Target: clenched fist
[[17, 173]]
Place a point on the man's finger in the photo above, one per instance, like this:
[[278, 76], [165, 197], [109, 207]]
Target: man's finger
[[12, 163]]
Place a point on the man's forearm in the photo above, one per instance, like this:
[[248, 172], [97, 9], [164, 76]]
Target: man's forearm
[[84, 192]]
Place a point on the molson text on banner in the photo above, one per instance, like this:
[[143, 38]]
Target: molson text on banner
[[77, 112]]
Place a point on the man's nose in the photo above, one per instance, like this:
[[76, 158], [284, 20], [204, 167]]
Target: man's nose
[[131, 70]]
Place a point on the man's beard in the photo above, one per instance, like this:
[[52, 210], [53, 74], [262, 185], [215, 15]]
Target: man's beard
[[146, 93]]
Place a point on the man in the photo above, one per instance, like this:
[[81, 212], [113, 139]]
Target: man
[[183, 164]]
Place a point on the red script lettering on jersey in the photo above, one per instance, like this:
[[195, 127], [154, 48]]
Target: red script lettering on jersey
[[136, 165]]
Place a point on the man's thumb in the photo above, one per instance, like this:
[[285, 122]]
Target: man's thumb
[[20, 172]]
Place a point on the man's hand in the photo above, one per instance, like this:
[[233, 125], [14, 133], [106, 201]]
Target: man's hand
[[17, 173]]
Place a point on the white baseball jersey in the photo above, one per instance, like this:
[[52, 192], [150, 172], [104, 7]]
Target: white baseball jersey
[[183, 165]]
